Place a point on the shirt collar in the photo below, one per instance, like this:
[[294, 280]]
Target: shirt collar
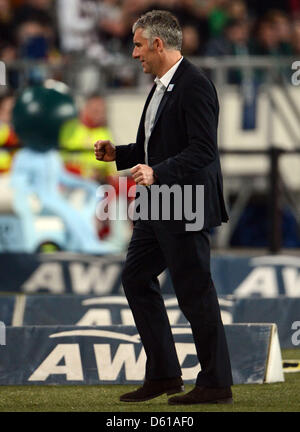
[[166, 78]]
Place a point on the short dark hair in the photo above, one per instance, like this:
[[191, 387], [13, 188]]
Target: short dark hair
[[162, 24]]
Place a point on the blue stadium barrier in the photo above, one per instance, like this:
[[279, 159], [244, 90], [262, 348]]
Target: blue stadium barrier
[[93, 310], [7, 307], [80, 310], [75, 355], [62, 273], [284, 311]]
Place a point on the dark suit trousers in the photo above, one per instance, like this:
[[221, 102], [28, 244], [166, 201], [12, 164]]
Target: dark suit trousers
[[187, 256]]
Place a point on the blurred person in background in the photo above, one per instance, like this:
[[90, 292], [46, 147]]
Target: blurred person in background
[[8, 54], [113, 24], [191, 42], [217, 17], [34, 42], [222, 12], [81, 133], [296, 39], [81, 37], [33, 39], [78, 26], [233, 41], [237, 9], [194, 23], [270, 40], [6, 21], [38, 169], [265, 38], [190, 14], [8, 138], [42, 12], [8, 51], [282, 26], [76, 139]]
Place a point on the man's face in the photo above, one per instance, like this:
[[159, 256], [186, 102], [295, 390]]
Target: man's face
[[148, 57], [94, 112]]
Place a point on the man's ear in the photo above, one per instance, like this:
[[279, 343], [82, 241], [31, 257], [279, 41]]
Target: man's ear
[[158, 44]]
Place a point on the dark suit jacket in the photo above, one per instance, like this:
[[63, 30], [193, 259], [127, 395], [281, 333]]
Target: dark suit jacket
[[183, 148]]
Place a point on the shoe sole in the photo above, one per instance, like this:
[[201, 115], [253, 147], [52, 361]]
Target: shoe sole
[[217, 401], [167, 392]]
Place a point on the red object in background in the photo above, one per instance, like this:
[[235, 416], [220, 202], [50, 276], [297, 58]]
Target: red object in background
[[104, 230], [12, 140], [74, 169], [12, 143], [114, 181]]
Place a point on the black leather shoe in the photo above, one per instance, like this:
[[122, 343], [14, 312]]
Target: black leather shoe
[[153, 388], [204, 395]]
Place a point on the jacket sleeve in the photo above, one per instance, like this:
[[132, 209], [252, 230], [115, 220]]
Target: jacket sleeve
[[126, 156], [200, 112]]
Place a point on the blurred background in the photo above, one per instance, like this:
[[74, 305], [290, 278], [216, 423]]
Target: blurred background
[[81, 50]]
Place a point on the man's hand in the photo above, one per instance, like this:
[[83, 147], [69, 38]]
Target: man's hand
[[142, 175], [105, 151]]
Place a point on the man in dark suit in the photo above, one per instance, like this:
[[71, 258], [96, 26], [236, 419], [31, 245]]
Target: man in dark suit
[[176, 145]]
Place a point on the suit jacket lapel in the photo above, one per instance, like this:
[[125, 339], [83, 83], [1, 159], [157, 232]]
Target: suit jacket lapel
[[141, 129], [161, 107], [167, 93]]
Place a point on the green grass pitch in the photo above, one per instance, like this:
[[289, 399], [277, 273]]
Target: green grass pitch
[[105, 398]]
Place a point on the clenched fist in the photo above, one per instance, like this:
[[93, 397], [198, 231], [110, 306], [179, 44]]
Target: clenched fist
[[104, 151], [143, 175]]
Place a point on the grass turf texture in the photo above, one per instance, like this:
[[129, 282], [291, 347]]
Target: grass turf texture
[[276, 397]]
